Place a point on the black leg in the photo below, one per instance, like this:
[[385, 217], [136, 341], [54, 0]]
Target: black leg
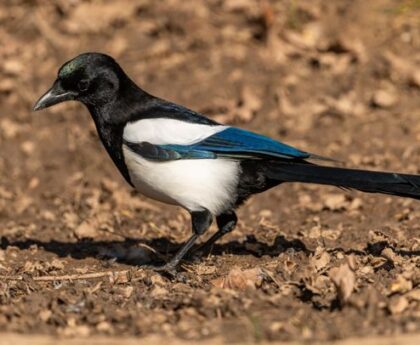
[[226, 222], [201, 221]]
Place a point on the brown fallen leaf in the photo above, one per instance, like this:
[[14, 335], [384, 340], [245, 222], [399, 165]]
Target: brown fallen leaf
[[238, 279], [86, 229], [384, 98], [57, 264], [9, 129], [404, 68], [76, 331], [119, 277], [390, 255], [317, 284], [204, 270], [104, 326], [400, 285], [156, 279], [45, 314], [344, 280], [158, 291], [125, 291], [332, 234], [312, 35], [414, 295], [335, 202], [320, 259], [398, 304], [90, 227], [6, 85]]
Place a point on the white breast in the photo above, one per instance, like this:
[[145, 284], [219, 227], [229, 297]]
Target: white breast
[[192, 183]]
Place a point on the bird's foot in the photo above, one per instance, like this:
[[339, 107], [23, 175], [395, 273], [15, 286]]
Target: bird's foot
[[168, 269]]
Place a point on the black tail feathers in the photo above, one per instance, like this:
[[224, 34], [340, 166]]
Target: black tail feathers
[[367, 181]]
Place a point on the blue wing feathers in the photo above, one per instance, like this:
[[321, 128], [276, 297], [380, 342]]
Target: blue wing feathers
[[242, 141], [231, 142], [236, 142]]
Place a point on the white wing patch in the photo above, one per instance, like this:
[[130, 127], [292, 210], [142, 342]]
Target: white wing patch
[[168, 131]]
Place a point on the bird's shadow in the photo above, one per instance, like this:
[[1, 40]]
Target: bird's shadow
[[139, 252]]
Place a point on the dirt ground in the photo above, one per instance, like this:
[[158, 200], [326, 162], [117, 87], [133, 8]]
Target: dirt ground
[[338, 78]]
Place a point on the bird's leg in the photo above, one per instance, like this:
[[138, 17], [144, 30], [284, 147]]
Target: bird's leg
[[226, 222], [201, 221]]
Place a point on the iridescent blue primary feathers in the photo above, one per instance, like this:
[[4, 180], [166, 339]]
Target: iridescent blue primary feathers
[[238, 143]]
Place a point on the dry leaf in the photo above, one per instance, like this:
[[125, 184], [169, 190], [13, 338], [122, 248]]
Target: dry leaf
[[90, 227], [320, 259], [45, 315], [405, 68], [311, 36], [158, 291], [335, 202], [57, 264], [389, 254], [331, 234], [384, 98], [76, 331], [103, 326], [400, 285], [6, 85], [344, 280], [125, 291], [157, 279], [397, 304], [86, 230], [204, 270], [119, 277], [238, 279], [317, 284], [414, 295]]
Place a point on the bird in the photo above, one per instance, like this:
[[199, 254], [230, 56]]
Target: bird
[[177, 156]]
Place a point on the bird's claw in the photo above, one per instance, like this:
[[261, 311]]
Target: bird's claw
[[167, 268]]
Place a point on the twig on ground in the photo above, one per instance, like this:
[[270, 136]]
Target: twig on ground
[[93, 275]]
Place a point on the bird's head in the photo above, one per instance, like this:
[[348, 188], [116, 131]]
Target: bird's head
[[91, 78]]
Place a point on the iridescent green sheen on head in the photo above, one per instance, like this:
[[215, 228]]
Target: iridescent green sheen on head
[[72, 66]]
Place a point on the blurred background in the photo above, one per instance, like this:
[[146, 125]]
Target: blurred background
[[338, 78]]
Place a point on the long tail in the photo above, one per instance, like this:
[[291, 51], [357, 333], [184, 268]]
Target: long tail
[[367, 181]]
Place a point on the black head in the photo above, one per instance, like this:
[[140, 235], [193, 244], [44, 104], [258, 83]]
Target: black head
[[91, 78]]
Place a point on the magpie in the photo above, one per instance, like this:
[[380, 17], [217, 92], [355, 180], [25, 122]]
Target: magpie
[[178, 156]]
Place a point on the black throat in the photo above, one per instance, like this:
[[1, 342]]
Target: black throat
[[112, 116], [111, 135]]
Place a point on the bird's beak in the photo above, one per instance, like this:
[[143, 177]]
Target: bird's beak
[[54, 95]]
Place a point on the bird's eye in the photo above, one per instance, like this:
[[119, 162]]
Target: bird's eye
[[83, 85]]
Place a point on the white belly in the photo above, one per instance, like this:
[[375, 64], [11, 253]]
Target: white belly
[[193, 183]]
